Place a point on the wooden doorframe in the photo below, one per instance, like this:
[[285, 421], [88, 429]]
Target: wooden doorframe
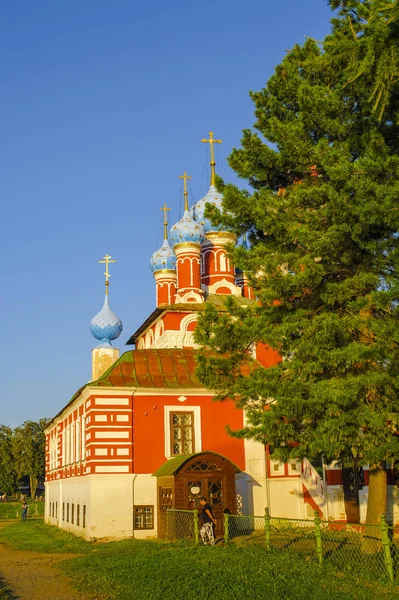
[[198, 467]]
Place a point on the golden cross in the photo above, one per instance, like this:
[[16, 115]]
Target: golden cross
[[107, 260], [211, 141], [165, 222], [185, 177]]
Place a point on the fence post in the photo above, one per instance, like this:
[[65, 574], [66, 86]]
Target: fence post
[[167, 523], [226, 527], [386, 547], [196, 528], [267, 528], [317, 532]]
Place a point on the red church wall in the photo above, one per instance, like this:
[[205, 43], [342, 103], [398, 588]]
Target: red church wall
[[172, 320], [266, 355], [334, 477], [214, 435], [149, 423]]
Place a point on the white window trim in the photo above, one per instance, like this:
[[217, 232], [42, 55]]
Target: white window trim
[[292, 471], [276, 472], [197, 427]]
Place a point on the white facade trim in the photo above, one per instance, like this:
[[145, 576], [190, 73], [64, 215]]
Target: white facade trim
[[99, 401], [186, 321], [197, 427], [175, 339], [234, 289], [190, 294]]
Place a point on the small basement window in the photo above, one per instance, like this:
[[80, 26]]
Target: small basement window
[[143, 517]]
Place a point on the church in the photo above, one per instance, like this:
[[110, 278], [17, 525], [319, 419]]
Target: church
[[145, 435]]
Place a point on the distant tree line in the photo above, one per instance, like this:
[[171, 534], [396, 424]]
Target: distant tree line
[[22, 456]]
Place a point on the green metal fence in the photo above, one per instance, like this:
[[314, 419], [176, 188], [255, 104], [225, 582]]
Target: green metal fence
[[182, 525], [370, 551]]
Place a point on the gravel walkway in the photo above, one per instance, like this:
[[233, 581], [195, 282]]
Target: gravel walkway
[[34, 576]]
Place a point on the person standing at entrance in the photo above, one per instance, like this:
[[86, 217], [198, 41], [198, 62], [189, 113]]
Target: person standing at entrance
[[208, 520], [24, 510]]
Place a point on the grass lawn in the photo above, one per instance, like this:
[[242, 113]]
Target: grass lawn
[[155, 570], [4, 593], [13, 510]]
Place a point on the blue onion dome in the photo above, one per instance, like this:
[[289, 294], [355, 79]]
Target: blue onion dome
[[164, 258], [106, 326], [197, 211], [187, 230]]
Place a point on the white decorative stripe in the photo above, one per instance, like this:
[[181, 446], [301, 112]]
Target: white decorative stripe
[[112, 401], [111, 434], [100, 417], [112, 469]]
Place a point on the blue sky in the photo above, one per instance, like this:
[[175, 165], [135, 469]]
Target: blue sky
[[103, 106]]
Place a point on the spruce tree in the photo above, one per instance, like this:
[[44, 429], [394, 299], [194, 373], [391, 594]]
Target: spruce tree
[[323, 220]]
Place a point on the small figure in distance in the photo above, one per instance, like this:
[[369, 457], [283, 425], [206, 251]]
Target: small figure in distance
[[208, 520], [24, 510]]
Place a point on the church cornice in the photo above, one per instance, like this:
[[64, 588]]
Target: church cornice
[[218, 300], [164, 273], [178, 248]]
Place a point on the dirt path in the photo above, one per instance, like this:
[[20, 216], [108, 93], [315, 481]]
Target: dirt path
[[34, 576]]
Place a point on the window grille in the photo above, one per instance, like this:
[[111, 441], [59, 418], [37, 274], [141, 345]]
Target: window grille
[[215, 493], [165, 499], [201, 465], [143, 517], [182, 433]]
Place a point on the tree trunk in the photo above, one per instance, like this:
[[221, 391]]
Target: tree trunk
[[33, 485], [376, 505], [377, 500]]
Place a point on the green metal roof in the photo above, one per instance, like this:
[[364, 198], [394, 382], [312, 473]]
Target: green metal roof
[[173, 465], [158, 368], [166, 368]]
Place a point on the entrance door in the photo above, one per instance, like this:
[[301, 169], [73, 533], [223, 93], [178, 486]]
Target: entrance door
[[214, 491], [209, 475], [203, 474]]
